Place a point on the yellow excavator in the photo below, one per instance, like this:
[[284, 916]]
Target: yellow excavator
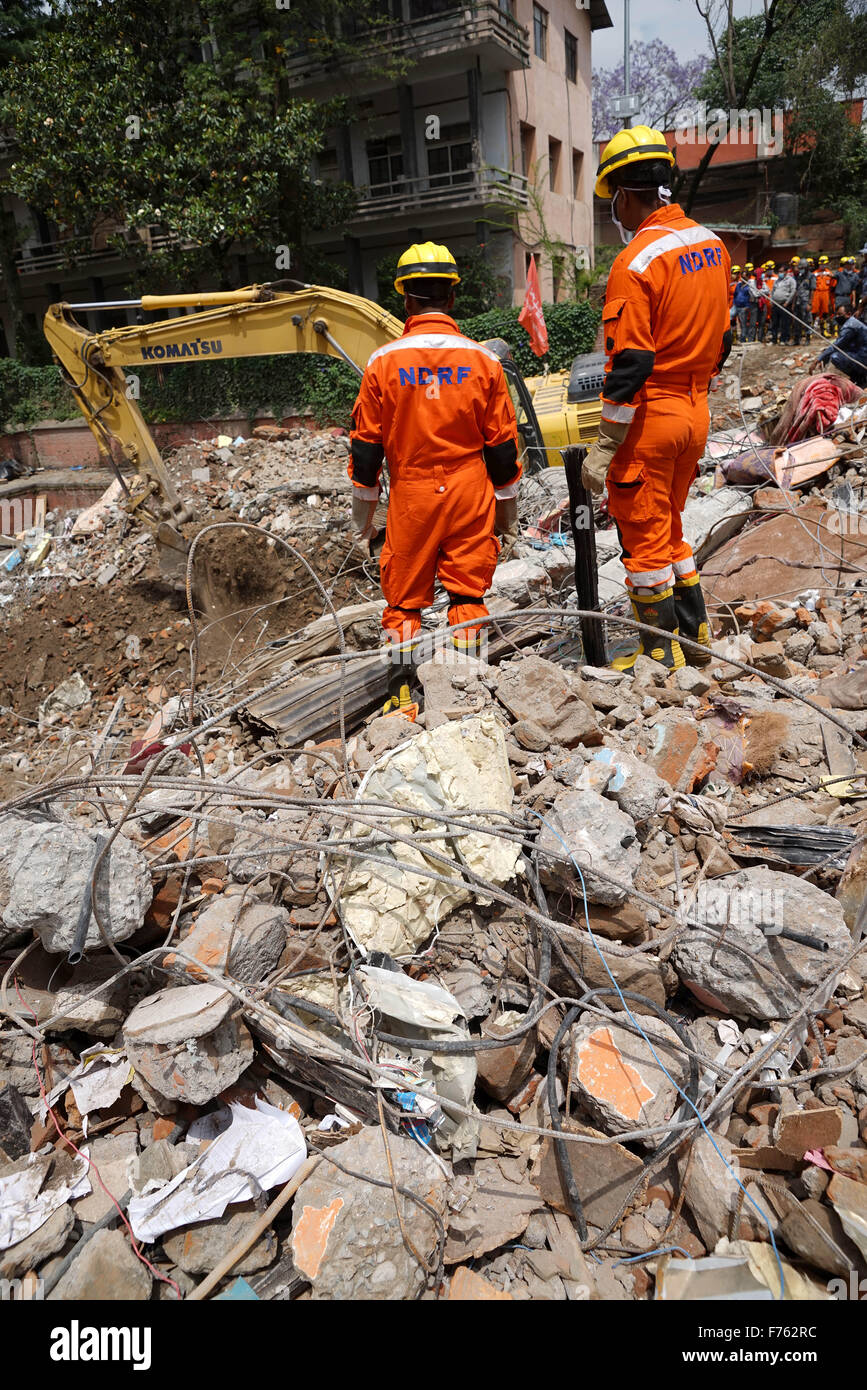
[[553, 411]]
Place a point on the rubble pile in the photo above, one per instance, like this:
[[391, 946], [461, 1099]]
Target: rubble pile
[[554, 991]]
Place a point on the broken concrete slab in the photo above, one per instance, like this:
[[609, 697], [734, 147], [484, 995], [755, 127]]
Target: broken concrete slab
[[712, 1194], [619, 1080], [112, 1155], [200, 1248], [45, 868], [738, 968], [634, 786], [189, 1042], [501, 1202], [454, 685], [834, 1251], [605, 1175], [391, 905], [257, 932], [502, 1070], [346, 1238], [599, 836], [641, 974], [46, 1241], [677, 752], [106, 1270], [537, 690]]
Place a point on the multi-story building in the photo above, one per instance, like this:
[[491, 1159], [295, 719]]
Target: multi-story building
[[488, 126]]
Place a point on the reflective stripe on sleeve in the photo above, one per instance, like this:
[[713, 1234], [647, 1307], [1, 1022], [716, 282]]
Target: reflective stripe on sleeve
[[617, 414]]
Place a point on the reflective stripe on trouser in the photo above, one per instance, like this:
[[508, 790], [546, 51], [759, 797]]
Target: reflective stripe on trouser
[[648, 484], [440, 525]]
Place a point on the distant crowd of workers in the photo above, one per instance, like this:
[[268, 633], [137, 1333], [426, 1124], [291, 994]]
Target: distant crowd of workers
[[784, 303]]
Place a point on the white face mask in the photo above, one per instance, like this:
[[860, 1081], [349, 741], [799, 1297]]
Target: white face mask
[[625, 236]]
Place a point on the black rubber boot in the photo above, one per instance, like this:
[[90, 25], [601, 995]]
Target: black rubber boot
[[692, 619], [657, 610]]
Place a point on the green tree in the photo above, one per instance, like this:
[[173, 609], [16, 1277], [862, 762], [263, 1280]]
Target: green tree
[[21, 23], [146, 112], [733, 82], [805, 58]]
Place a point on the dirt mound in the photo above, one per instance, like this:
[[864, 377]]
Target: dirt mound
[[88, 629]]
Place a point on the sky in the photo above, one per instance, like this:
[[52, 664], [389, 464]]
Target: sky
[[677, 22]]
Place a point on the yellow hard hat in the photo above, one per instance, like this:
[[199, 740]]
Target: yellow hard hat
[[749, 266], [425, 260], [823, 260], [626, 148], [796, 260], [736, 270]]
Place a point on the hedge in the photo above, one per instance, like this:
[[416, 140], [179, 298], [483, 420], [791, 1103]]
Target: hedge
[[282, 385]]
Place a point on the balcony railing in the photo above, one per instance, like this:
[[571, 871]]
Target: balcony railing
[[58, 255], [466, 188], [466, 27]]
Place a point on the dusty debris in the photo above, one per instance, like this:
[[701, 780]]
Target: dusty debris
[[585, 829], [347, 1235], [328, 930], [188, 1044]]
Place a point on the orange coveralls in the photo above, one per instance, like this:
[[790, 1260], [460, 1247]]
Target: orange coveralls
[[821, 305], [666, 332], [437, 406]]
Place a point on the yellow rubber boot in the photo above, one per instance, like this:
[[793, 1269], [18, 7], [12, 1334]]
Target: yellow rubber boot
[[657, 610]]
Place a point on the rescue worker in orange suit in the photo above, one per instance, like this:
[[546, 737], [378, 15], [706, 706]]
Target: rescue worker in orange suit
[[824, 279], [436, 405], [733, 284], [769, 279], [666, 333]]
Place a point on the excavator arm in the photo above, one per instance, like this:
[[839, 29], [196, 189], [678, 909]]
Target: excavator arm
[[252, 322]]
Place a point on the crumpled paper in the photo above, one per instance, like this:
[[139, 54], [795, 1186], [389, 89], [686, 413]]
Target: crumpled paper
[[96, 1082], [259, 1149], [24, 1207]]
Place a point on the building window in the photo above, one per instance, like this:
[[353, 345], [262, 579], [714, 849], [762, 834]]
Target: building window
[[554, 148], [528, 139], [450, 160], [507, 7], [385, 164], [571, 57], [540, 32], [326, 166], [577, 172]]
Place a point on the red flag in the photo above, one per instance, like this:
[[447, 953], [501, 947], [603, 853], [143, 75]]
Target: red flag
[[531, 316]]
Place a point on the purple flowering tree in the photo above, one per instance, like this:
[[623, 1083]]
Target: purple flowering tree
[[665, 87]]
